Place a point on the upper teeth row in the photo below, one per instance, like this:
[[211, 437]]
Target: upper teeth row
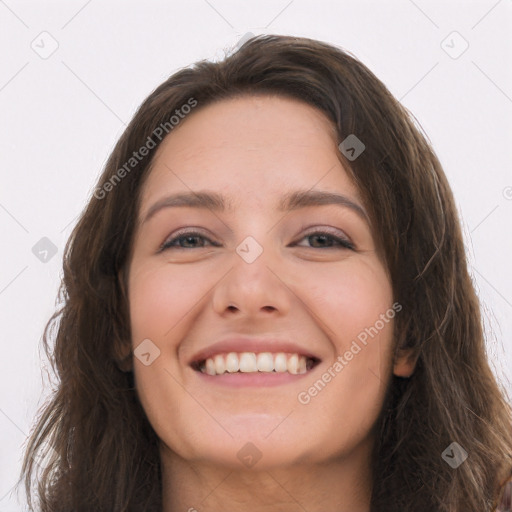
[[252, 362]]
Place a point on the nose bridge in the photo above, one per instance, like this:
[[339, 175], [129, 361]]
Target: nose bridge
[[252, 284], [252, 262], [255, 248], [250, 250]]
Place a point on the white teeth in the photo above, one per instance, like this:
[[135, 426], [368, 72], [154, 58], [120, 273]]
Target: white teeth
[[280, 362], [231, 362], [293, 364], [265, 362], [220, 363], [210, 367], [302, 365], [250, 362]]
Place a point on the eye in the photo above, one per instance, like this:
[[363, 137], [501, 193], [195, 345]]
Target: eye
[[186, 240], [189, 239], [325, 240]]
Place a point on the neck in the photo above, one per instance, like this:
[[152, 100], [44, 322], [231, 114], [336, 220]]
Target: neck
[[341, 485]]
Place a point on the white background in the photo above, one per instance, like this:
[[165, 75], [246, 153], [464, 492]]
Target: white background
[[60, 118]]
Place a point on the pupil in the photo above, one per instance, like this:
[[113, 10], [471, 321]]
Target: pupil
[[321, 238], [190, 239]]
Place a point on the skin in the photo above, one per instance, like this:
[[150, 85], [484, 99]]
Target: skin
[[314, 456]]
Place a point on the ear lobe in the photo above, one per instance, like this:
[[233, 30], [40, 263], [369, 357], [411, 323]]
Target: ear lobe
[[122, 349], [126, 365], [124, 357], [120, 279], [405, 362]]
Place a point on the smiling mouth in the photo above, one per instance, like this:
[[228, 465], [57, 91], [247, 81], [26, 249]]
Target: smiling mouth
[[254, 362]]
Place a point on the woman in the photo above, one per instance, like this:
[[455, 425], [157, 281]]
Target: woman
[[266, 306]]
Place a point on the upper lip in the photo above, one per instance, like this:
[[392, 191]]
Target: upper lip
[[256, 345]]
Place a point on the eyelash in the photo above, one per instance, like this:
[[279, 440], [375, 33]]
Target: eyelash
[[168, 244]]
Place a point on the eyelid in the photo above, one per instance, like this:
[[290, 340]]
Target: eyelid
[[188, 231], [330, 231], [342, 239], [325, 229]]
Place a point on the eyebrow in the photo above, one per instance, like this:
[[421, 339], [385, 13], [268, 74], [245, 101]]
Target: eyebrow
[[291, 201]]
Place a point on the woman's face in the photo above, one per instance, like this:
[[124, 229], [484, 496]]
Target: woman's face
[[282, 277]]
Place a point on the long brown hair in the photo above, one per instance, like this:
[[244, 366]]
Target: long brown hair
[[104, 453]]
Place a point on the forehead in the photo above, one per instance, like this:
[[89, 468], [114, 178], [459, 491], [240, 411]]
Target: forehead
[[250, 146]]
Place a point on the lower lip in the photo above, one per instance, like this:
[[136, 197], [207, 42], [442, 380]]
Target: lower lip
[[238, 380]]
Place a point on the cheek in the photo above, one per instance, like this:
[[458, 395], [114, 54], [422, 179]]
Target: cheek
[[162, 302], [350, 299], [355, 308], [160, 299]]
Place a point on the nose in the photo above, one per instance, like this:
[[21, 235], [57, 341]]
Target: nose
[[253, 287]]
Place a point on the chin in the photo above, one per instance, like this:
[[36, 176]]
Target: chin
[[255, 444]]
